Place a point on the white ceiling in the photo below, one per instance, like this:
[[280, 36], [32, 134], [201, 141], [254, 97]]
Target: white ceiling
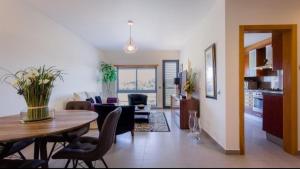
[[159, 24], [252, 38]]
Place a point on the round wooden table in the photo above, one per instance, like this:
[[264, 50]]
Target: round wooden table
[[12, 130]]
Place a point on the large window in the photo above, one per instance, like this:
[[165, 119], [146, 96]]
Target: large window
[[137, 80]]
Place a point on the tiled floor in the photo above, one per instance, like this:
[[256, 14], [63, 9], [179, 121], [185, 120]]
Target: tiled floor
[[177, 150]]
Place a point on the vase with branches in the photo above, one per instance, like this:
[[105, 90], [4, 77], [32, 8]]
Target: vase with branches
[[109, 76], [190, 84], [35, 85]]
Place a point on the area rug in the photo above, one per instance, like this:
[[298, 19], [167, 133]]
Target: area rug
[[157, 123]]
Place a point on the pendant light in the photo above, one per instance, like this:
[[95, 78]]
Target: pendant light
[[130, 46]]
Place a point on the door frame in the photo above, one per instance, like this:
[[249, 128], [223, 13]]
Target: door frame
[[164, 82], [290, 66]]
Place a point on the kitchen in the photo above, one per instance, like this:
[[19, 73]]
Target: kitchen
[[264, 82]]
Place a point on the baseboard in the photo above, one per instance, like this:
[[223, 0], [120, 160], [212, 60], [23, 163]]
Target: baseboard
[[221, 148]]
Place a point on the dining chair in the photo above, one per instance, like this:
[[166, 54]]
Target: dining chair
[[21, 163], [89, 149], [70, 136], [8, 149]]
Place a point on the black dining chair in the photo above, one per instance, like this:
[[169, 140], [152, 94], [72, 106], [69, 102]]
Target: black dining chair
[[70, 136], [89, 149], [8, 149], [21, 163]]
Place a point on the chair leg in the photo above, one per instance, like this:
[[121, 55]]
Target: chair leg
[[52, 151], [103, 161], [67, 165], [89, 164], [132, 133], [75, 163], [115, 140], [21, 155]]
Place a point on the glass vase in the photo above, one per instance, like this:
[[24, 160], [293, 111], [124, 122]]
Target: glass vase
[[194, 126], [192, 121], [33, 114]]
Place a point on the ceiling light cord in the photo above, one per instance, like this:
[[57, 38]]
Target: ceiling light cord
[[130, 47], [130, 40]]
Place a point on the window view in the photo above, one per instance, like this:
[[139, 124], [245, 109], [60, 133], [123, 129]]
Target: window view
[[127, 79], [137, 80], [146, 79]]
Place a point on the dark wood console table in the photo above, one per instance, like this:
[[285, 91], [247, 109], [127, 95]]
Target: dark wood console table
[[180, 109]]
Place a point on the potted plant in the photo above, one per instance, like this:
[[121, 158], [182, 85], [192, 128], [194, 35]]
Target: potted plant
[[109, 76], [189, 86], [35, 85]]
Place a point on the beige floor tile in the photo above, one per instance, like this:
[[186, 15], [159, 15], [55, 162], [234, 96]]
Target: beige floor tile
[[176, 149]]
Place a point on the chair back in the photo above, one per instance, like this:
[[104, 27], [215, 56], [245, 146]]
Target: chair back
[[79, 105], [137, 99], [108, 133]]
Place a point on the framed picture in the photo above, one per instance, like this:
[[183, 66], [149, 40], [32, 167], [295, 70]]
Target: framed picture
[[210, 72]]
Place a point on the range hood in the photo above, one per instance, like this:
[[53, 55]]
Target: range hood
[[268, 61], [267, 65]]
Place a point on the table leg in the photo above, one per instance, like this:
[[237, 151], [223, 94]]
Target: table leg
[[36, 149], [44, 153], [40, 151]]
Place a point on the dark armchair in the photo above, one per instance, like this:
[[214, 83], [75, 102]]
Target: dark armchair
[[137, 99], [126, 122]]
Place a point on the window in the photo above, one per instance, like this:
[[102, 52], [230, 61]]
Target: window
[[137, 80]]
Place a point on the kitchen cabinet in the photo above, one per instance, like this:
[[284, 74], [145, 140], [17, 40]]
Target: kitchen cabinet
[[250, 66], [277, 43], [273, 114]]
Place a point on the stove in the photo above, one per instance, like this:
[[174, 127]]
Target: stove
[[258, 101]]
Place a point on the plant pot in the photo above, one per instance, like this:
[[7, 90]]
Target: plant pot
[[33, 114]]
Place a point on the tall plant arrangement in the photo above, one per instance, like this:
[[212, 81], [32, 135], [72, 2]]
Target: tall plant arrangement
[[190, 84], [35, 85], [109, 76]]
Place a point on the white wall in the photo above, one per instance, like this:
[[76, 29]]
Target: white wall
[[211, 30], [28, 38], [144, 58], [246, 12]]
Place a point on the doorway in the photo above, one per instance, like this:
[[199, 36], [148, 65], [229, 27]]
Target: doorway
[[289, 65], [170, 72]]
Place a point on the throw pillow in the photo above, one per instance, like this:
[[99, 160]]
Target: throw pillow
[[90, 100]]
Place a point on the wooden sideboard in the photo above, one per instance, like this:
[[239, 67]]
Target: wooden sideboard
[[180, 109]]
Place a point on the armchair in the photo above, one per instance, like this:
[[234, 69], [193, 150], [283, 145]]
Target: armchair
[[137, 99]]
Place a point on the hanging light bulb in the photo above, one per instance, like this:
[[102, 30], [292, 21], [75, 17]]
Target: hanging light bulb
[[130, 46]]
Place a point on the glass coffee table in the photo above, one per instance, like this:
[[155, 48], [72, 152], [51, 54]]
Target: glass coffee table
[[142, 115]]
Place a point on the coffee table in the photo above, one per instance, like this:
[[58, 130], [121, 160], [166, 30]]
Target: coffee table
[[142, 115]]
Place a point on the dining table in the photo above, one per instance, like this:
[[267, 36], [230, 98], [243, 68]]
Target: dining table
[[13, 130]]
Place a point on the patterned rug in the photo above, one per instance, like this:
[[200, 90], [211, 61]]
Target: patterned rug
[[158, 123]]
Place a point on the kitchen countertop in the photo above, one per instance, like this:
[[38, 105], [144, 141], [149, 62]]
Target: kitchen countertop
[[266, 92]]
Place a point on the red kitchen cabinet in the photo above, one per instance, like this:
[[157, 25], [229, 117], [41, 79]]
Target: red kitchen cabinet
[[277, 43], [273, 114]]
